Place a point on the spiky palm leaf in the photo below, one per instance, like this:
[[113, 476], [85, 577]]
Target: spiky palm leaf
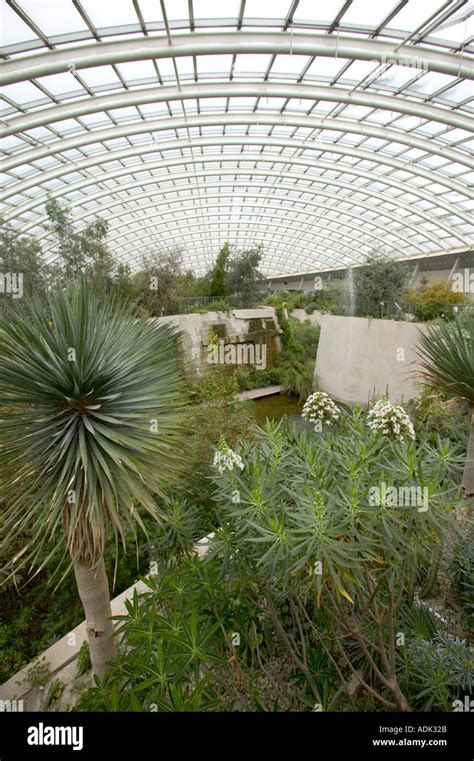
[[447, 357], [89, 422], [447, 360]]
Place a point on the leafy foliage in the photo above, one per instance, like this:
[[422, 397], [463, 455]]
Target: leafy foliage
[[168, 650], [438, 671], [217, 285], [435, 416], [381, 279], [22, 254], [35, 615], [446, 354], [39, 673], [434, 300], [81, 253], [463, 566], [304, 528], [447, 360], [243, 281], [83, 659], [55, 690], [156, 283], [297, 359]]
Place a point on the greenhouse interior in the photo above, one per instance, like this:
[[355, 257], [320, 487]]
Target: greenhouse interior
[[237, 358]]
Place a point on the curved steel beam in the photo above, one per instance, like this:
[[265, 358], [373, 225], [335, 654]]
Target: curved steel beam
[[377, 157], [303, 238], [225, 119], [278, 159], [280, 245], [281, 184], [222, 43], [339, 249], [90, 105], [194, 217], [286, 205]]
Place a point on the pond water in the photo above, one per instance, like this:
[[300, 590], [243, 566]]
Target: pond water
[[275, 407]]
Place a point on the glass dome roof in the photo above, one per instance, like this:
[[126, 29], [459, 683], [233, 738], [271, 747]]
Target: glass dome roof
[[321, 130]]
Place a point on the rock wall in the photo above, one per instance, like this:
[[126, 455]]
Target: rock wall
[[236, 328]]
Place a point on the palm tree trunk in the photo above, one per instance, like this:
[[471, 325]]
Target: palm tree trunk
[[93, 590], [468, 475]]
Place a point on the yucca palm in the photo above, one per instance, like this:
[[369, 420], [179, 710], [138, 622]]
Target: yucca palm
[[447, 359], [90, 403]]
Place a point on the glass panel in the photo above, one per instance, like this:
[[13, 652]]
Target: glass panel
[[277, 9], [414, 13], [107, 14], [209, 9], [317, 10], [12, 28], [22, 92], [53, 16], [368, 13]]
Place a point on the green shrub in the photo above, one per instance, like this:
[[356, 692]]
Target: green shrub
[[434, 300], [220, 306], [83, 659], [463, 567], [169, 649], [306, 531], [298, 378], [435, 416], [55, 690], [332, 298], [436, 672], [39, 674], [307, 336]]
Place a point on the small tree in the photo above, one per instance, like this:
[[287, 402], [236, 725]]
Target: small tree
[[123, 284], [381, 279], [218, 273], [156, 282], [21, 254], [90, 433], [84, 252], [243, 279]]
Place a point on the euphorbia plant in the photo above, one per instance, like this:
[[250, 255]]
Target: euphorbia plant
[[89, 424], [299, 525]]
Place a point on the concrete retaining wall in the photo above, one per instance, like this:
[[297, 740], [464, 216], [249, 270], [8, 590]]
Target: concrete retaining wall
[[359, 358]]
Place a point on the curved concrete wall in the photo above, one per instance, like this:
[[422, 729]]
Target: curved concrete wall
[[359, 358]]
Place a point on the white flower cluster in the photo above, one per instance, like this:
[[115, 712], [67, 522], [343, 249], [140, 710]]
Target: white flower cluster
[[320, 408], [226, 459], [390, 420]]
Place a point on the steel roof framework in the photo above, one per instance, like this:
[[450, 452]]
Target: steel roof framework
[[321, 130]]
